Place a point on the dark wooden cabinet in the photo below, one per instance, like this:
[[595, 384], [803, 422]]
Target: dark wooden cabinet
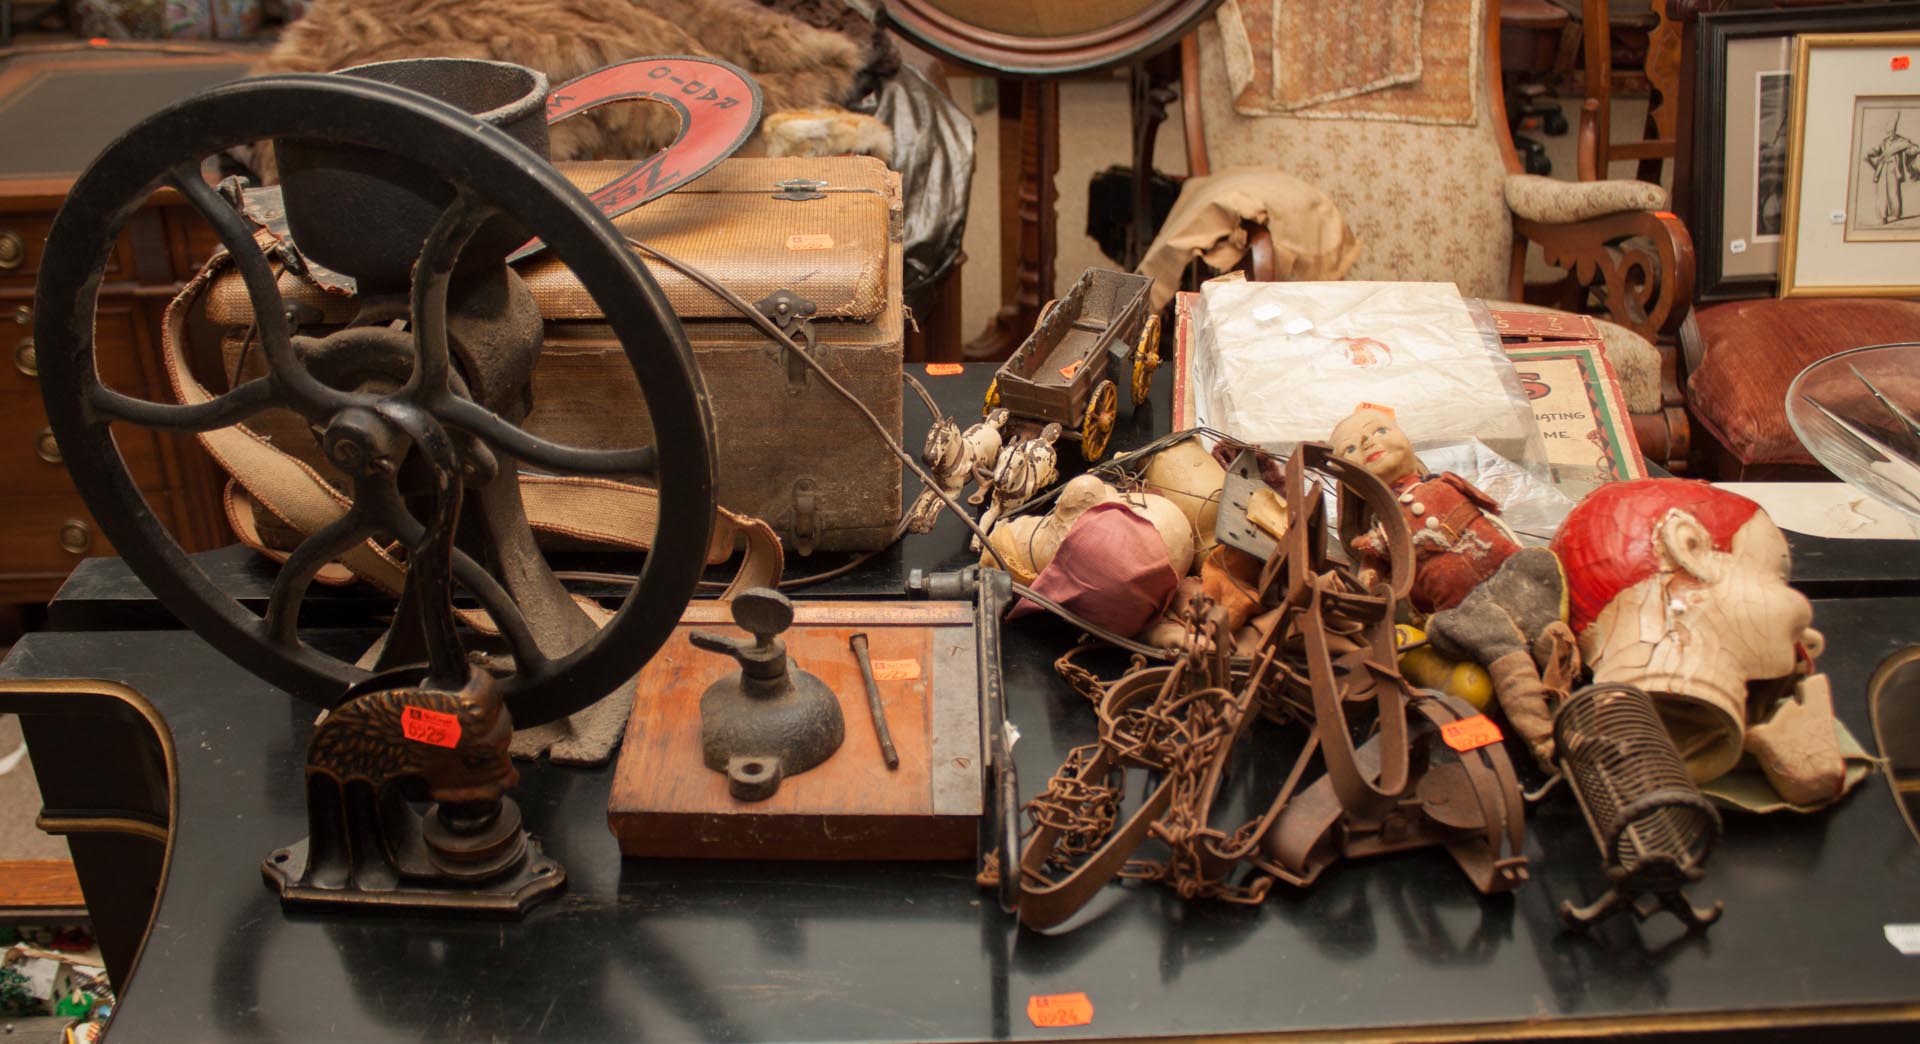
[[57, 110]]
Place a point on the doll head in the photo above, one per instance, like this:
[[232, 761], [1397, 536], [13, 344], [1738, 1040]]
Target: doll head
[[1371, 438], [1681, 589]]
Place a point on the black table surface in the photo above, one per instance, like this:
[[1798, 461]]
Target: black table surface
[[658, 949], [1396, 948]]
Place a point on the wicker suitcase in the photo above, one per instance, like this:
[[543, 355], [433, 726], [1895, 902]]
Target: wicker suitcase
[[790, 450]]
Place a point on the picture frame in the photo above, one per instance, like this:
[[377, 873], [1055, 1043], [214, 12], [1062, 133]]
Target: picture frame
[[1733, 51], [1853, 176]]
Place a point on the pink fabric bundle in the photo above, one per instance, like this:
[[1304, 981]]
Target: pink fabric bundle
[[1111, 569]]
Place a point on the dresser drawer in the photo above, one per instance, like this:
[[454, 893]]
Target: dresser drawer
[[190, 240], [23, 239], [30, 459], [117, 346], [49, 533]]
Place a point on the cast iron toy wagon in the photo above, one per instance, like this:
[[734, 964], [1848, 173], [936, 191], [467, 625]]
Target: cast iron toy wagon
[[1065, 371]]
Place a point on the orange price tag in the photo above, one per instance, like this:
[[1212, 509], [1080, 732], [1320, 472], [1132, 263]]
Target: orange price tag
[[1470, 733], [432, 727], [1901, 63], [814, 241], [1071, 368], [896, 670], [945, 369], [1059, 1009]]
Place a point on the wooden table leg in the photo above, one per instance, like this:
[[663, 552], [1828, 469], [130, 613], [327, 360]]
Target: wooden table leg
[[1030, 109]]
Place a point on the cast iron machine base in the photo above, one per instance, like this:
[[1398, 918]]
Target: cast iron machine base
[[769, 719], [417, 198], [507, 895]]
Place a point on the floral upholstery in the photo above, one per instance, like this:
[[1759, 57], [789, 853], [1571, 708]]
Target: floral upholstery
[[1553, 201], [1428, 200]]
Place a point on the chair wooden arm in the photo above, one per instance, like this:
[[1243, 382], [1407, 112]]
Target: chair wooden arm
[[1260, 262], [1639, 261], [1641, 264], [1586, 163]]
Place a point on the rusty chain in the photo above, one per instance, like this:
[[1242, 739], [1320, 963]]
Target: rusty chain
[[1181, 723]]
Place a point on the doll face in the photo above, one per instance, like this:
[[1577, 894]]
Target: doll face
[[1371, 439], [1763, 622]]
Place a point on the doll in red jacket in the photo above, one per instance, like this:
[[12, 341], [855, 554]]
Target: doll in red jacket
[[1458, 538], [1491, 601]]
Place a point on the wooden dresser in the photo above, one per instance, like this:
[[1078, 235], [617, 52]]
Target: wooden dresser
[[58, 109]]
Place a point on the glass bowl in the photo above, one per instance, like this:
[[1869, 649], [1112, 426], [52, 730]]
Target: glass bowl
[[1851, 430]]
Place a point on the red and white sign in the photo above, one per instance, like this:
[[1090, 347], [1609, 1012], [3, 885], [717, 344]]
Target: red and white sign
[[718, 105]]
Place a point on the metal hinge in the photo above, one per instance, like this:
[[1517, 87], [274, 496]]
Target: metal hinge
[[790, 312], [799, 190], [803, 516]]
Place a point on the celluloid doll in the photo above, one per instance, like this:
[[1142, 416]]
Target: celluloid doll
[[1492, 601], [1680, 588], [1458, 539]]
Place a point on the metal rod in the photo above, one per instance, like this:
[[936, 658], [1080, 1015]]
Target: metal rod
[[859, 645]]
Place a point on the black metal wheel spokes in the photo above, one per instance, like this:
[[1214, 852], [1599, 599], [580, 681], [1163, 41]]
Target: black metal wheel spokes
[[366, 433]]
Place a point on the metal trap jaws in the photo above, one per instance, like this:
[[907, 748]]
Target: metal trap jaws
[[419, 199]]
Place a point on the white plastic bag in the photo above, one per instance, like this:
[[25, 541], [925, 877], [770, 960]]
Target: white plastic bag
[[1276, 364]]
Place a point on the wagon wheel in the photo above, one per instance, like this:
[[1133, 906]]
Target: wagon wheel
[[489, 173], [1103, 406], [992, 401], [1146, 359]]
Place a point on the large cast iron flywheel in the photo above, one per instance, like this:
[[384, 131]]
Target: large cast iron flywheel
[[487, 175]]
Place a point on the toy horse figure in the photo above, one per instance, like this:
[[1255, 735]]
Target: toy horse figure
[[953, 458], [393, 743], [1022, 471]]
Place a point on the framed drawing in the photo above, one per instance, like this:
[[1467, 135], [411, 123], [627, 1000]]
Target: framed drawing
[[1853, 173], [1742, 93]]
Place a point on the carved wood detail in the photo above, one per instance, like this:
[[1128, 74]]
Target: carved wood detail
[[1640, 263], [1026, 244]]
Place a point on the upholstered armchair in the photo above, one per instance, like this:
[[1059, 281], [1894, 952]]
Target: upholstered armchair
[[1426, 176]]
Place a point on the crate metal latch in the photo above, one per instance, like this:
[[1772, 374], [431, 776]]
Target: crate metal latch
[[791, 313], [805, 527]]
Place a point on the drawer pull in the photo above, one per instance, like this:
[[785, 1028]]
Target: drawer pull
[[47, 446], [75, 536], [25, 358], [13, 249], [23, 315]]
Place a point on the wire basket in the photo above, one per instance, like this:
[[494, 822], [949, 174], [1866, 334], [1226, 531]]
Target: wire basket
[[1654, 828]]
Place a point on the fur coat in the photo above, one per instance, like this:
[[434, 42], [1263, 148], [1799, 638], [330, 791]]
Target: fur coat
[[796, 65]]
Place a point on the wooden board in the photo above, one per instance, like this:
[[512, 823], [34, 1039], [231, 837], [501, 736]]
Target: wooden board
[[667, 803], [48, 884]]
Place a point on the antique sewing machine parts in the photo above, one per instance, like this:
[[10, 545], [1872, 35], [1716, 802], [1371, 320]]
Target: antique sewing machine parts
[[769, 719], [418, 199]]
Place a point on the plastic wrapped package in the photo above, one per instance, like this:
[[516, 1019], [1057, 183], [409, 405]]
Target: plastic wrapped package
[[1530, 505], [1276, 364]]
